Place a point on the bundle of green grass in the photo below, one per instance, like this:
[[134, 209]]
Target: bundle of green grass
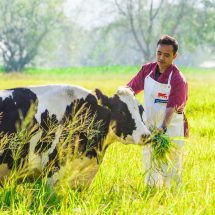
[[163, 147]]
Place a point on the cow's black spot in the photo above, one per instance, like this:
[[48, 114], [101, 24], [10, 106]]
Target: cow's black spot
[[101, 117], [24, 150], [12, 106], [54, 162], [7, 157], [123, 123], [48, 125], [13, 109], [141, 110]]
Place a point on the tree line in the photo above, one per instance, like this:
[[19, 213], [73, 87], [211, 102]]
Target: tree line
[[35, 29]]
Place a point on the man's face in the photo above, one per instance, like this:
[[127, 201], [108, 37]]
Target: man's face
[[164, 56]]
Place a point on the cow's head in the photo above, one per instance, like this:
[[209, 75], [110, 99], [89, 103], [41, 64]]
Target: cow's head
[[126, 115]]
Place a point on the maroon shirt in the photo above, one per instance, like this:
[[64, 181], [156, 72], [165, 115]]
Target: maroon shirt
[[179, 89]]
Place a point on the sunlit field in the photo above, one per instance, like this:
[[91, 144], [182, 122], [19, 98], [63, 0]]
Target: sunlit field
[[118, 187]]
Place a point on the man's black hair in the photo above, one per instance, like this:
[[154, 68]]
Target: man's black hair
[[167, 40]]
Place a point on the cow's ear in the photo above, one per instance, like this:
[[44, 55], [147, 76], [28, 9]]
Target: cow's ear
[[103, 98]]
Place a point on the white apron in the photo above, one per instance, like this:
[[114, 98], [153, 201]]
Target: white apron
[[155, 101]]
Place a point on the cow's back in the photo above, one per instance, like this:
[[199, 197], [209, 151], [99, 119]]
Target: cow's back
[[54, 99]]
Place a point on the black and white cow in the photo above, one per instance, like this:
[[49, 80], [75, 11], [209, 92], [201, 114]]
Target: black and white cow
[[120, 114]]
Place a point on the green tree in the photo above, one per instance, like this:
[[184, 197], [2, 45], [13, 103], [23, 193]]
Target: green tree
[[23, 26], [205, 23], [191, 22], [194, 26]]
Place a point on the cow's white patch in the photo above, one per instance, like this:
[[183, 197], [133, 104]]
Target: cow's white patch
[[55, 98], [34, 158], [6, 94], [127, 96]]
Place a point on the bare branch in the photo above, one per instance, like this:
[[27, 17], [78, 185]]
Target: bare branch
[[133, 28], [158, 9], [120, 8], [180, 16]]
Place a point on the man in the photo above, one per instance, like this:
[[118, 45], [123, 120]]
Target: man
[[165, 96]]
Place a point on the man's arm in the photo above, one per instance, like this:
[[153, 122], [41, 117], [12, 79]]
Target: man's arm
[[167, 119], [137, 82], [177, 99]]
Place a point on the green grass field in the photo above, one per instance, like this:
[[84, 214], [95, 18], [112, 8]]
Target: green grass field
[[118, 187]]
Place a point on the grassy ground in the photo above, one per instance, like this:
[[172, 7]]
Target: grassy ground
[[118, 187]]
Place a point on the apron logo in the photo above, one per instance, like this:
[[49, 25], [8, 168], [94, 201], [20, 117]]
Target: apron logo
[[160, 101], [161, 98], [162, 95]]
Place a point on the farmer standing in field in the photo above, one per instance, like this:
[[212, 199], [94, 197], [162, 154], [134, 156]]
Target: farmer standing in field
[[165, 96]]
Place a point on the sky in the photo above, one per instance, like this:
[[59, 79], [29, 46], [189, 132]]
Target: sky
[[93, 13], [88, 13]]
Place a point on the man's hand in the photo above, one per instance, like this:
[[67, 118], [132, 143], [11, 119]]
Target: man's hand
[[156, 130], [161, 130], [167, 119]]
